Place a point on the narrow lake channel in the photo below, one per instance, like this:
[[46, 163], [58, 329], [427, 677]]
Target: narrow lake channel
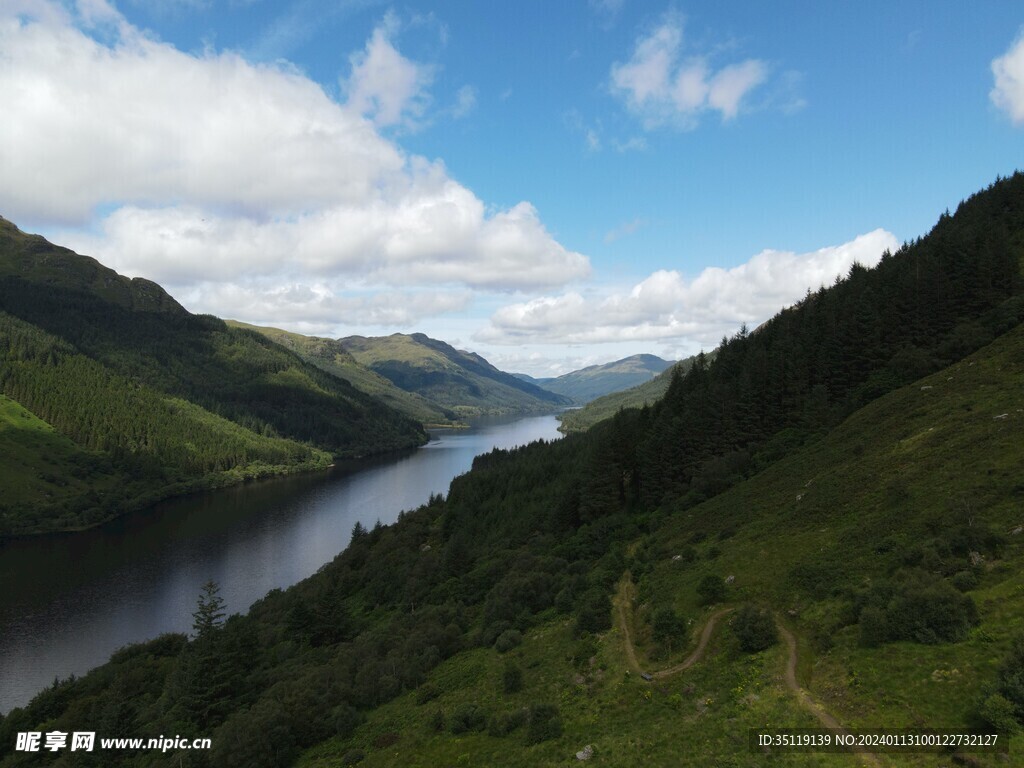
[[67, 602]]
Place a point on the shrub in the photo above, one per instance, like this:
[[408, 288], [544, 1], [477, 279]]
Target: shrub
[[468, 717], [964, 581], [595, 612], [511, 678], [711, 589], [667, 626], [508, 640], [929, 610], [504, 723], [1011, 675], [919, 607], [545, 723], [755, 628], [874, 629], [998, 712]]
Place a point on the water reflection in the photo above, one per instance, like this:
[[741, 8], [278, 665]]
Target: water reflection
[[67, 602]]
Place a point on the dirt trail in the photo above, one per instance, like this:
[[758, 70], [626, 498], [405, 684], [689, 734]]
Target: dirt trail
[[698, 652], [809, 703], [623, 597]]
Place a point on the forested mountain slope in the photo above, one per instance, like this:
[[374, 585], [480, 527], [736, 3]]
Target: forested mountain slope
[[453, 380], [873, 512], [155, 399]]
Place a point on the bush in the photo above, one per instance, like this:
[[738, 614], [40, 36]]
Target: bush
[[929, 610], [711, 589], [595, 612], [874, 629], [545, 723], [426, 692], [511, 678], [965, 581], [919, 607], [999, 713], [667, 626], [508, 640], [504, 723], [468, 717], [755, 628], [1011, 675]]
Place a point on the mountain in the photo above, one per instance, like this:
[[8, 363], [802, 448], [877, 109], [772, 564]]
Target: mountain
[[331, 356], [821, 525], [117, 396], [454, 381], [592, 382], [606, 406]]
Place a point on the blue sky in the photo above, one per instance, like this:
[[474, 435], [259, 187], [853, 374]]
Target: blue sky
[[551, 184]]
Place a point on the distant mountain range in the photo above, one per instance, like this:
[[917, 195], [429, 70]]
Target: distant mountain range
[[606, 406], [454, 381], [592, 382]]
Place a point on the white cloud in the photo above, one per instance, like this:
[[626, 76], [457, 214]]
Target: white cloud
[[663, 86], [384, 85], [665, 306], [1008, 92], [465, 102], [624, 229], [318, 308], [209, 169]]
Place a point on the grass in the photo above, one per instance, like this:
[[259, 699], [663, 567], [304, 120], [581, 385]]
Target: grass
[[906, 470], [40, 468]]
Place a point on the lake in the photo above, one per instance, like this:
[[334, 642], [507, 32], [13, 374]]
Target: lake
[[68, 601]]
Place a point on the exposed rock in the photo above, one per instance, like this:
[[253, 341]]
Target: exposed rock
[[676, 557], [586, 753], [730, 579]]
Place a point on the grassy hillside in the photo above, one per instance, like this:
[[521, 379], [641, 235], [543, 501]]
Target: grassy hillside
[[857, 507], [331, 356], [601, 408], [170, 401], [589, 383], [822, 525], [454, 381]]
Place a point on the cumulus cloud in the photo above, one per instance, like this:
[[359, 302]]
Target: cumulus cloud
[[664, 86], [666, 306], [384, 85], [1008, 92], [206, 168], [319, 308]]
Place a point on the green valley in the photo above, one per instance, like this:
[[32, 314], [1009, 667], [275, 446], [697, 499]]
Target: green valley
[[156, 401], [820, 524]]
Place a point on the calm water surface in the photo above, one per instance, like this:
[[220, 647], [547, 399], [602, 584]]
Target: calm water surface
[[67, 602]]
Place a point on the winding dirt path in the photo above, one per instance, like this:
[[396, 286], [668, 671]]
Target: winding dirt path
[[623, 597], [808, 703], [698, 652]]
